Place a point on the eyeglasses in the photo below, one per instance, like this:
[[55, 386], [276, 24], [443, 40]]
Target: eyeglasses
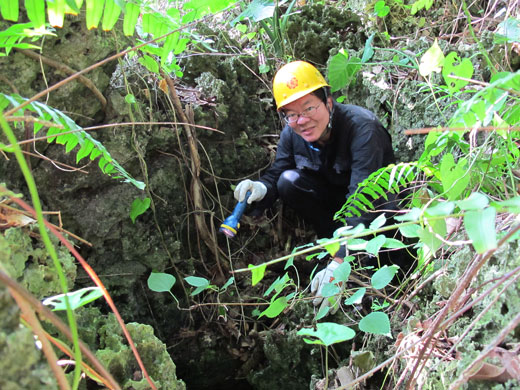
[[307, 113]]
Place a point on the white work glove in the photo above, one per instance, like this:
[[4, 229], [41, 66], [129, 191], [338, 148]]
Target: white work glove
[[321, 279], [257, 188]]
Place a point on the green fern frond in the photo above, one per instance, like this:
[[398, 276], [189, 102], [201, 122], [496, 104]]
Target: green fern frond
[[390, 179], [71, 135]]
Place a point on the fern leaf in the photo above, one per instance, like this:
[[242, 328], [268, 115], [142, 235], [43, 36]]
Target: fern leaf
[[88, 145], [387, 179]]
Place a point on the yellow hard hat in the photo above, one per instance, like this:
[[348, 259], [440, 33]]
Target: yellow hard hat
[[294, 80]]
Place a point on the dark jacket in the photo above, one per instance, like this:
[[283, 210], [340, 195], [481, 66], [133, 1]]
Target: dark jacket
[[359, 145]]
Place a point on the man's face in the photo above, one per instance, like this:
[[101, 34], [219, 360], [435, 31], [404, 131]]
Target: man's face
[[313, 119]]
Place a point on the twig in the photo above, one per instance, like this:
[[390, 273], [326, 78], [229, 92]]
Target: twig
[[47, 349], [98, 283], [426, 130], [67, 70], [196, 185], [58, 323], [463, 378], [466, 279], [33, 119]]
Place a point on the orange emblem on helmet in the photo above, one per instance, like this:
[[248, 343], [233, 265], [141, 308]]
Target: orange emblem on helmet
[[292, 83]]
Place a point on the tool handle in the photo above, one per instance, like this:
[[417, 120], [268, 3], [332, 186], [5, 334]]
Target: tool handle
[[240, 207]]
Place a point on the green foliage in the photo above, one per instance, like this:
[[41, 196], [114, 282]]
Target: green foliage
[[327, 333], [272, 23], [139, 206], [66, 132], [76, 298], [160, 281], [377, 323]]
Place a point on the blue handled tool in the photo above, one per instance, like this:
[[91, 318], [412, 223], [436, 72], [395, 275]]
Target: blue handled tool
[[231, 224]]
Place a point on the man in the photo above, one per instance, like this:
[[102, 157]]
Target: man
[[324, 151]]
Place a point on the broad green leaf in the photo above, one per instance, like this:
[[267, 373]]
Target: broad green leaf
[[508, 31], [392, 243], [411, 216], [440, 209], [430, 233], [375, 244], [327, 333], [476, 201], [464, 69], [110, 15], [149, 63], [432, 60], [257, 272], [36, 12], [160, 281], [257, 10], [278, 285], [132, 12], [377, 323], [510, 205], [357, 244], [480, 226], [454, 177], [76, 298], [330, 289], [341, 70], [409, 231], [383, 276], [357, 297], [73, 7], [275, 308], [378, 222], [324, 310], [227, 284], [368, 51], [56, 12], [196, 281], [342, 273], [139, 206], [419, 5], [94, 12], [9, 10], [381, 9]]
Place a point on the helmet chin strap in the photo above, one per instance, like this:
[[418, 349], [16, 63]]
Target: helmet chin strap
[[328, 129]]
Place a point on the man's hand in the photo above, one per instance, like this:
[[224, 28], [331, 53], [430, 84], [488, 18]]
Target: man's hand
[[321, 279], [257, 188]]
